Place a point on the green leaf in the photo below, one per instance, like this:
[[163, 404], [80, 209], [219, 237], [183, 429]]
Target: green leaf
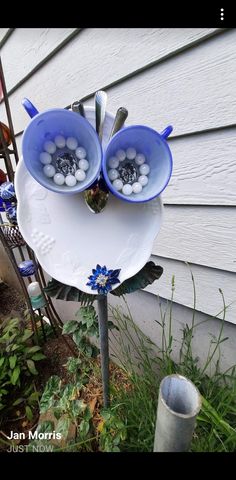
[[106, 415], [88, 350], [11, 324], [46, 426], [27, 334], [2, 360], [77, 407], [29, 413], [77, 337], [87, 414], [69, 391], [115, 449], [33, 397], [12, 361], [65, 292], [70, 327], [18, 401], [52, 388], [31, 367], [84, 427], [63, 426], [3, 391], [95, 352], [34, 349], [149, 273], [15, 347], [58, 412], [38, 356], [73, 364], [111, 325], [15, 375]]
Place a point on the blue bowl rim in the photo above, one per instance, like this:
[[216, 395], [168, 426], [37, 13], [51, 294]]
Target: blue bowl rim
[[104, 170], [58, 188]]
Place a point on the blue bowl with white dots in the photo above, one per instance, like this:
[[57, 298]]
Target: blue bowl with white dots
[[60, 124], [137, 164]]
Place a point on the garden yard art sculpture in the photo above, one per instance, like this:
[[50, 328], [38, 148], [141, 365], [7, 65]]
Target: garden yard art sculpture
[[88, 254]]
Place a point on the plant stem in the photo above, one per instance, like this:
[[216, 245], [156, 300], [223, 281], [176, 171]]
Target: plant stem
[[104, 346]]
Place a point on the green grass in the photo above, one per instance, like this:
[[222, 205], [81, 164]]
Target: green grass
[[146, 365]]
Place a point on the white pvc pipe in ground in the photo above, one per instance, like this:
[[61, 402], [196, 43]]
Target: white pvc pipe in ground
[[179, 403]]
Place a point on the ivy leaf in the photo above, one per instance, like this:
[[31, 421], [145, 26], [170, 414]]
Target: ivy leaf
[[63, 426], [52, 388], [77, 407], [147, 275], [84, 427], [77, 338], [46, 426], [70, 327], [65, 292]]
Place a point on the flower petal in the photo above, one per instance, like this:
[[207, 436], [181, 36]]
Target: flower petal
[[101, 291], [112, 281], [115, 273]]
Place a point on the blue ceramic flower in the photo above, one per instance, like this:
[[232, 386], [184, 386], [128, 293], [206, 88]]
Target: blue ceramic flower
[[7, 190], [27, 268], [103, 279]]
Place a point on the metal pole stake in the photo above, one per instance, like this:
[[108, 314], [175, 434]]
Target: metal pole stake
[[104, 346]]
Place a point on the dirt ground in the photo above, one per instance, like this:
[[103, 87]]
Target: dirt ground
[[10, 301]]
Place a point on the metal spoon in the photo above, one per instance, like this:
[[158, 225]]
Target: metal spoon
[[78, 108], [121, 115], [100, 111], [96, 197]]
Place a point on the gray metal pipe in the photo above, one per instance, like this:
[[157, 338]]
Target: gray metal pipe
[[179, 403]]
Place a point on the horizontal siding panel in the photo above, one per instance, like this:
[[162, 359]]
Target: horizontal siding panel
[[204, 169], [26, 48], [193, 91], [145, 311], [94, 59], [201, 235], [3, 32], [207, 282]]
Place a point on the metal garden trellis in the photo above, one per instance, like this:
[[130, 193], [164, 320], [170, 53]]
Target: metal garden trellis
[[11, 245]]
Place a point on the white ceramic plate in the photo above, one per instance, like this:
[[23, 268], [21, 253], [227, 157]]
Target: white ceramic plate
[[69, 240]]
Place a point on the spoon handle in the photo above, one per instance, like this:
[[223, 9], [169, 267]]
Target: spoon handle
[[100, 110], [121, 115], [78, 108]]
